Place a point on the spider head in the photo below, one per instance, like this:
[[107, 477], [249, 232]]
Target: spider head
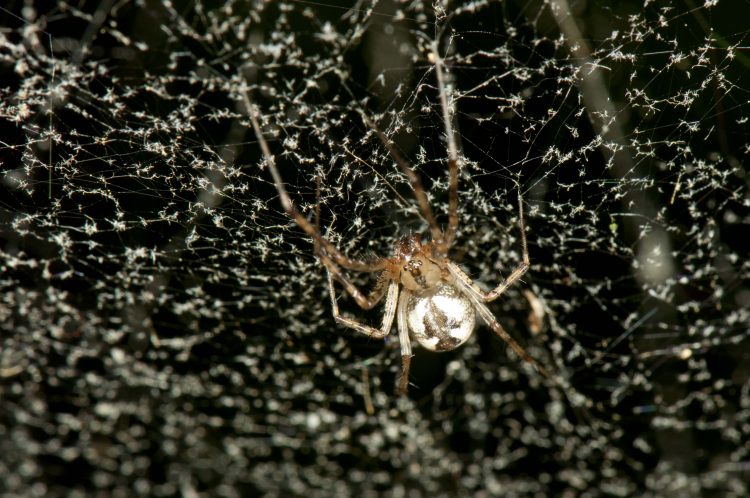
[[417, 270]]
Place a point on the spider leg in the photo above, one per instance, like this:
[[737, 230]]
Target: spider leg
[[490, 320], [520, 270], [443, 240], [364, 302], [393, 304], [414, 181], [472, 292], [522, 267], [490, 296], [453, 161], [403, 337], [324, 246], [388, 314]]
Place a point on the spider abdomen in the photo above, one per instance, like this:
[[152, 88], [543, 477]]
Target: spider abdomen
[[441, 318]]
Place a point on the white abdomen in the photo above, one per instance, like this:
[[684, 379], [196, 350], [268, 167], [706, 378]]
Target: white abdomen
[[441, 318]]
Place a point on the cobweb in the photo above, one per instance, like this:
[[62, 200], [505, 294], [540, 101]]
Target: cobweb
[[166, 329]]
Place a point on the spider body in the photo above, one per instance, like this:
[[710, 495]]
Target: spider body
[[438, 316], [432, 300]]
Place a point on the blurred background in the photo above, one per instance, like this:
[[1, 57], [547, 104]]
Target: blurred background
[[165, 328]]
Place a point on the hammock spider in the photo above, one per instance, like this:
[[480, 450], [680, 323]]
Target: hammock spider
[[432, 299]]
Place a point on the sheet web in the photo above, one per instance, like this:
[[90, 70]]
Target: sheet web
[[166, 328]]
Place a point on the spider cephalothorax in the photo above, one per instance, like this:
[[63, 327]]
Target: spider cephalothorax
[[415, 265], [432, 299]]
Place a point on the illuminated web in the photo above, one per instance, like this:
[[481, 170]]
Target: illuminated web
[[165, 326]]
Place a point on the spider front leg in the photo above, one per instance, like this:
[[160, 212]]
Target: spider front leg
[[476, 291], [520, 270], [442, 239], [389, 313], [289, 207], [365, 302]]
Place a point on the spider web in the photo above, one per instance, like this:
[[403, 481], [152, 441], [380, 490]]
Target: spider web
[[165, 326]]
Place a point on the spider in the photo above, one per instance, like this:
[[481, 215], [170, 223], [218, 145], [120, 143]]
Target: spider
[[430, 296]]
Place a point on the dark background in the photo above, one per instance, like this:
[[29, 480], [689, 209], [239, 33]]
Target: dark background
[[166, 329]]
